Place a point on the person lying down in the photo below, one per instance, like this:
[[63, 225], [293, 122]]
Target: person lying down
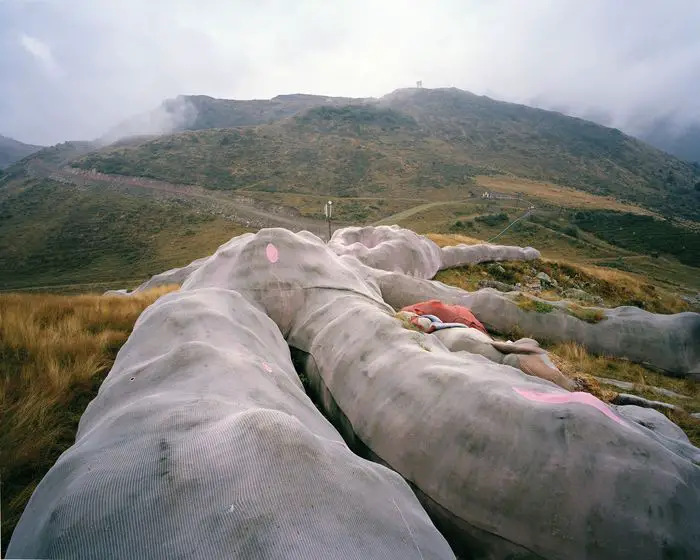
[[457, 328]]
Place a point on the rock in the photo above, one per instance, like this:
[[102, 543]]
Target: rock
[[580, 295], [625, 398], [500, 286], [627, 386], [546, 280], [696, 415]]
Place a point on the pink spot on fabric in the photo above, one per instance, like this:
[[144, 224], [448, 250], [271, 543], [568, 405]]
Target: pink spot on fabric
[[565, 398], [272, 253], [267, 367]]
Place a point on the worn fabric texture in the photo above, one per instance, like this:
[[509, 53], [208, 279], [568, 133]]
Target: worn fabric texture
[[202, 444], [459, 255], [495, 455], [389, 248], [396, 249]]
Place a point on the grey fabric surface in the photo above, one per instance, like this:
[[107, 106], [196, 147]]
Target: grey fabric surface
[[172, 276], [396, 249], [534, 467], [389, 248], [202, 444], [459, 255], [667, 342], [659, 424]]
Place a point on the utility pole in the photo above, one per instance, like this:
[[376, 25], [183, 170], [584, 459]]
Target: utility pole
[[329, 216]]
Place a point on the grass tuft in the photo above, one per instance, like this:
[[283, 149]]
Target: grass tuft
[[587, 314], [529, 304]]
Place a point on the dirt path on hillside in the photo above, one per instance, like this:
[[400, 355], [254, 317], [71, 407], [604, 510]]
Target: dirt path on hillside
[[395, 218], [243, 210]]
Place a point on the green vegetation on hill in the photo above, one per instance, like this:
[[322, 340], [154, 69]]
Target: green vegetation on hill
[[643, 234], [404, 144], [546, 145], [354, 117], [51, 234]]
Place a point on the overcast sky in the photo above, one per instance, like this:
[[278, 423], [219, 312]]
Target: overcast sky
[[71, 69]]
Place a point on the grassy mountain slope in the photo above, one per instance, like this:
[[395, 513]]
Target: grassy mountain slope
[[551, 146], [410, 142], [420, 158], [52, 234], [13, 150]]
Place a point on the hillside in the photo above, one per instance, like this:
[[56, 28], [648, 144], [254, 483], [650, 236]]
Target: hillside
[[419, 158], [684, 143], [53, 234], [406, 143], [198, 112], [13, 150]]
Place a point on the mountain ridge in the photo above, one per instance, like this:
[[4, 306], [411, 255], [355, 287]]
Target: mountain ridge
[[12, 150], [368, 143]]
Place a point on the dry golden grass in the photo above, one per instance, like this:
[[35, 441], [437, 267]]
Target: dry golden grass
[[577, 363], [556, 194], [617, 286], [54, 353]]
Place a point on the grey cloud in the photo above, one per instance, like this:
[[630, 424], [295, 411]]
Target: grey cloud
[[634, 61]]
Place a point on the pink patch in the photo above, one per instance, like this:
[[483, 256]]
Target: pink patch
[[267, 367], [272, 253], [564, 398]]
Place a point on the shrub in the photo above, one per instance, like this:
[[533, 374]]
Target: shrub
[[571, 231], [492, 220]]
